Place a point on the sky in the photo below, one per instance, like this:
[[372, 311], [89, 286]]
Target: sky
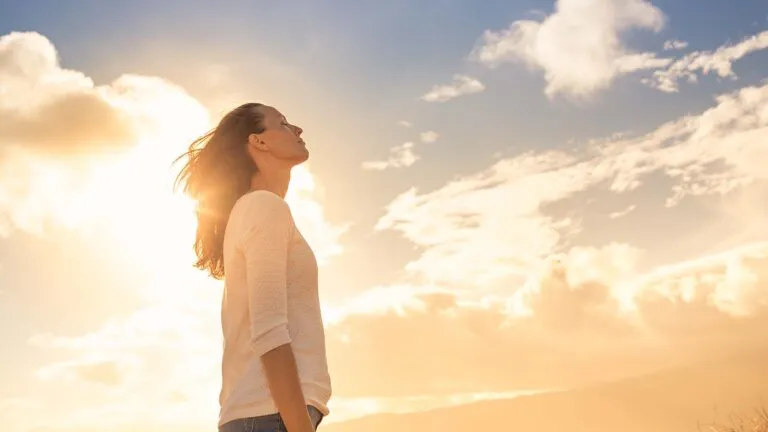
[[503, 197]]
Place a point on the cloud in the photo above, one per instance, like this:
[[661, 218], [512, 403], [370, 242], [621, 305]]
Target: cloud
[[719, 62], [469, 223], [155, 365], [304, 197], [18, 413], [579, 47], [470, 232], [674, 44], [48, 108], [105, 372], [405, 124], [96, 188], [620, 213], [591, 314], [461, 85], [429, 137], [401, 156], [66, 145]]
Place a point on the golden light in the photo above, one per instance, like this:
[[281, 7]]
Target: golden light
[[123, 200]]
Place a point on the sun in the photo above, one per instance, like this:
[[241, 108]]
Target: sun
[[125, 200], [128, 203], [134, 192]]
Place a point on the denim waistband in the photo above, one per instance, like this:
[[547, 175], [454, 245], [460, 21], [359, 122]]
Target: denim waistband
[[267, 423]]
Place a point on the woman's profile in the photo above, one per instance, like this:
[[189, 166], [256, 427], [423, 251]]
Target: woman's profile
[[274, 367]]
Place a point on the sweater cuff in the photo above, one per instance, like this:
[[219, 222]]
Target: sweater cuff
[[270, 340]]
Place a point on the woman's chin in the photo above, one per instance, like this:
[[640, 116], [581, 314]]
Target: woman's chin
[[301, 157]]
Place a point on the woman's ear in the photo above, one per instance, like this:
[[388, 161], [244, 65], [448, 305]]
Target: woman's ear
[[256, 143]]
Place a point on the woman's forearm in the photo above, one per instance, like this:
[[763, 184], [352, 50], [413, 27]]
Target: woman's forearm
[[283, 379]]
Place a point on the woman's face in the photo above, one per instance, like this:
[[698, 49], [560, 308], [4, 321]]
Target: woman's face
[[282, 139]]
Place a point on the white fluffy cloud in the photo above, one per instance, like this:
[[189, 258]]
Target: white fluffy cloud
[[719, 62], [579, 47], [45, 108], [68, 146], [580, 50], [108, 133], [461, 85]]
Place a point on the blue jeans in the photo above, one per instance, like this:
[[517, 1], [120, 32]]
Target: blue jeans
[[267, 423]]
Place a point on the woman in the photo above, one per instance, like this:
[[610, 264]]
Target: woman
[[274, 368]]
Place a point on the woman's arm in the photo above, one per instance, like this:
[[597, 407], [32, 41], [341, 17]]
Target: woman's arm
[[283, 378], [265, 248]]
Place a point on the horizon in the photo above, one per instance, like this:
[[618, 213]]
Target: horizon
[[511, 197]]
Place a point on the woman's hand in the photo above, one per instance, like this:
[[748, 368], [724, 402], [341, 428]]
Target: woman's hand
[[283, 379]]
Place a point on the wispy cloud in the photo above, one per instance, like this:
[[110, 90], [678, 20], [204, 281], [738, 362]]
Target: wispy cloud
[[579, 47], [461, 85], [308, 210], [624, 212], [674, 44], [719, 62], [401, 156], [429, 137], [18, 414], [161, 355], [110, 373], [469, 227]]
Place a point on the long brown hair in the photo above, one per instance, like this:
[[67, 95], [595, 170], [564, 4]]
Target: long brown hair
[[217, 173]]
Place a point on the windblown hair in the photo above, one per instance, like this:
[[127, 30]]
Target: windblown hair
[[217, 173]]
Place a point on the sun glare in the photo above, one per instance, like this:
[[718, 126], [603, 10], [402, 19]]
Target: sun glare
[[126, 200]]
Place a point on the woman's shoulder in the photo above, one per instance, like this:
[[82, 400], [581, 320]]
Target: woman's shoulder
[[261, 206], [262, 197]]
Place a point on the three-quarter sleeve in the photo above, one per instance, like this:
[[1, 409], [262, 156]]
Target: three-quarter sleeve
[[268, 231]]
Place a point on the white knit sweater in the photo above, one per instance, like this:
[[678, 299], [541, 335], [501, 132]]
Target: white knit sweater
[[270, 299]]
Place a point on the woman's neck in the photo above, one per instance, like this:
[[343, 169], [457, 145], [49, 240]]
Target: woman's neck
[[276, 181]]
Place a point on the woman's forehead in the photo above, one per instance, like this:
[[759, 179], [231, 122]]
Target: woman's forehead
[[272, 112]]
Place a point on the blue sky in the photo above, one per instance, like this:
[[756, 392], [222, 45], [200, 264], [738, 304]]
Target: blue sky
[[524, 170], [379, 58]]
